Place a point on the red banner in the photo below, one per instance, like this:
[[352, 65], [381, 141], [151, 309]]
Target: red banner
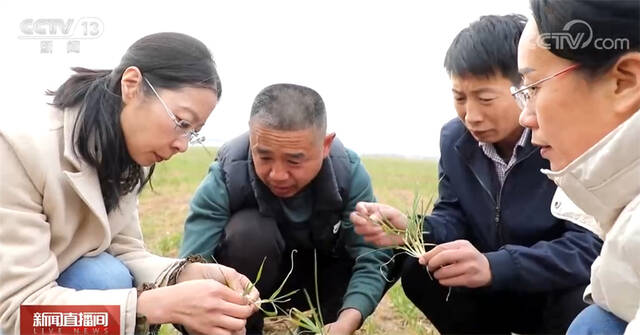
[[73, 320]]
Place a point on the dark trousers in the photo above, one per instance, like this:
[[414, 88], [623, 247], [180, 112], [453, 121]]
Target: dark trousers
[[481, 311], [249, 237]]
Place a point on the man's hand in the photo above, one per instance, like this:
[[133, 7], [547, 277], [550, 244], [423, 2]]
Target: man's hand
[[348, 322], [362, 218], [458, 263]]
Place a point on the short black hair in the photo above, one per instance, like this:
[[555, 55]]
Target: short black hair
[[487, 47], [289, 107], [613, 20]]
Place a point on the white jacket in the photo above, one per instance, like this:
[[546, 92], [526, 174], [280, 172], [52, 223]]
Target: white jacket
[[51, 214], [605, 183]]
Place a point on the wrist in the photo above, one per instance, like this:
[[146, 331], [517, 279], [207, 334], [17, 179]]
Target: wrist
[[488, 275], [187, 269], [154, 306], [188, 272], [350, 318]]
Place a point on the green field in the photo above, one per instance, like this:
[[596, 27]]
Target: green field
[[395, 181]]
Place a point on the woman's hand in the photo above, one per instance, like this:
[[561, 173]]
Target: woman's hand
[[366, 212], [203, 306], [206, 299], [222, 274]]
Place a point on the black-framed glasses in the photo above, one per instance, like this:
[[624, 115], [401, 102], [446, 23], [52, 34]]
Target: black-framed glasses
[[524, 94], [184, 126]]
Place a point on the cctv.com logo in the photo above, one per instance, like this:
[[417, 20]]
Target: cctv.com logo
[[578, 34]]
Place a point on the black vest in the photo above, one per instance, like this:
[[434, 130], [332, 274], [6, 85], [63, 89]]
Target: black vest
[[329, 191]]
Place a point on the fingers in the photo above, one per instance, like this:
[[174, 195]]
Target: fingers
[[364, 216], [237, 284], [450, 271], [359, 219], [425, 258], [366, 228], [254, 295], [376, 236], [203, 330], [366, 208], [229, 323], [446, 257], [375, 211], [458, 263], [234, 279], [454, 281], [458, 244], [227, 294], [235, 310]]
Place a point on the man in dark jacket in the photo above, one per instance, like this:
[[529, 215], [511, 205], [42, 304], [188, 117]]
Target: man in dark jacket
[[287, 185], [503, 263]]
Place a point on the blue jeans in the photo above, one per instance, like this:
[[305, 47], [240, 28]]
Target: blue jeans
[[102, 272], [594, 320]]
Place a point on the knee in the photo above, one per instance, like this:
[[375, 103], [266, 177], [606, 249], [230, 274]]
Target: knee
[[595, 320], [102, 272], [417, 283], [413, 275], [250, 233]]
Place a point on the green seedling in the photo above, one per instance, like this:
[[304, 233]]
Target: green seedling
[[275, 297], [311, 321]]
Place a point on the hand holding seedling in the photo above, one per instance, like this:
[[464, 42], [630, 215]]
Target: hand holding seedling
[[387, 227], [365, 216], [457, 263], [212, 299], [202, 306], [222, 274]]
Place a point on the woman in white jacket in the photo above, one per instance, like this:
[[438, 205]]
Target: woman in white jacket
[[69, 230], [580, 62]]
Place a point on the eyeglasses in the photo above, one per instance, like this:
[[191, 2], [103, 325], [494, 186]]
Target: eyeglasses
[[184, 126], [524, 94]]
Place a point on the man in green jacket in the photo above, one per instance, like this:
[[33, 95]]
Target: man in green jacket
[[288, 185]]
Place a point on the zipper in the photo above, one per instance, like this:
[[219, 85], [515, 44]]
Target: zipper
[[499, 228]]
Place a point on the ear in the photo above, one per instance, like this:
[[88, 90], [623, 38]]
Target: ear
[[130, 84], [326, 144], [626, 73]]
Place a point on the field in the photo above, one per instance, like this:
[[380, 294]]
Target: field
[[395, 181]]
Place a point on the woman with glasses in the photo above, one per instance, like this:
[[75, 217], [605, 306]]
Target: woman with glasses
[[69, 230], [582, 102]]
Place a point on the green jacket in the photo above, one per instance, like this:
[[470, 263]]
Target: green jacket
[[210, 212]]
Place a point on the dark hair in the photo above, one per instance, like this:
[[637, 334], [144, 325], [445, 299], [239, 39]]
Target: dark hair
[[607, 19], [170, 61], [289, 107], [487, 47]]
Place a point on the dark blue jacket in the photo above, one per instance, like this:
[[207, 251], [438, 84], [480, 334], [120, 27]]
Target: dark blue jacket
[[528, 249]]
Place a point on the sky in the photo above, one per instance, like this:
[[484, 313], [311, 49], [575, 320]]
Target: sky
[[377, 64]]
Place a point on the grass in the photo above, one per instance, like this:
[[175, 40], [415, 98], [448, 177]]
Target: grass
[[395, 181]]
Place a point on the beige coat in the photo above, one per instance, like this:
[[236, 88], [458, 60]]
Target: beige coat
[[605, 183], [51, 214]]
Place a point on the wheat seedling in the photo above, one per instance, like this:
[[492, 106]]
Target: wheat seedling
[[412, 237], [275, 297], [310, 321]]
